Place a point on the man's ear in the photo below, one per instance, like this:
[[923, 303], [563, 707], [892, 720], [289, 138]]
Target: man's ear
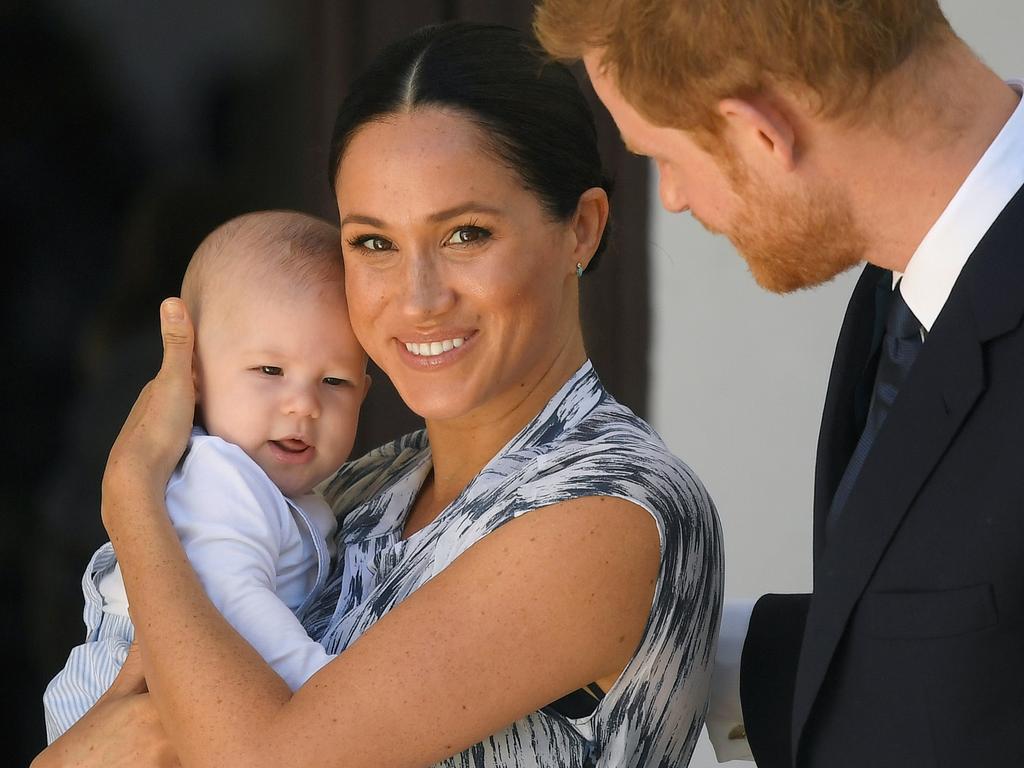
[[759, 131]]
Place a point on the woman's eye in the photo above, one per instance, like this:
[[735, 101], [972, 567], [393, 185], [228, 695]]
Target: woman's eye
[[271, 370], [372, 243], [333, 381], [467, 235]]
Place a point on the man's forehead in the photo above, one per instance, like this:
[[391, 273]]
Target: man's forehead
[[629, 121]]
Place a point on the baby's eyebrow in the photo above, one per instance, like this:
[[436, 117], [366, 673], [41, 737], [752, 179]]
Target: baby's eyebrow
[[261, 352]]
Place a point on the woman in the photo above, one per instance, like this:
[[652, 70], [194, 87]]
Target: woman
[[533, 580]]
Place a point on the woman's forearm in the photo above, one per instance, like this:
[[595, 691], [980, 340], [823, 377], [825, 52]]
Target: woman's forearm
[[197, 666], [122, 730]]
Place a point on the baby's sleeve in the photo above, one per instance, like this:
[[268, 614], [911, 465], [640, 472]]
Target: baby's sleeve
[[234, 523]]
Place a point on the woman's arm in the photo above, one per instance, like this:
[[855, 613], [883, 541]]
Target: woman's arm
[[122, 730], [544, 605]]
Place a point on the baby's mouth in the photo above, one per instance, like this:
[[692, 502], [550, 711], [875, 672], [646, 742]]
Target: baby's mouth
[[291, 445]]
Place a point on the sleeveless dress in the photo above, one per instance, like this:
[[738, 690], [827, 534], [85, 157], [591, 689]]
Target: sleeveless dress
[[583, 443]]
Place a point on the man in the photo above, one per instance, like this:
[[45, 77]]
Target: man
[[817, 135]]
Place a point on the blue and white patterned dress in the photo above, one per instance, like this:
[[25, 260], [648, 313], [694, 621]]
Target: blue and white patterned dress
[[583, 443]]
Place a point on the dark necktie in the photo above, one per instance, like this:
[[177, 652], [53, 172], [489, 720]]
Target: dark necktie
[[900, 345]]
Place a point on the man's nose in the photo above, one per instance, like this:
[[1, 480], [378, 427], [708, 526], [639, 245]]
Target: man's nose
[[672, 198]]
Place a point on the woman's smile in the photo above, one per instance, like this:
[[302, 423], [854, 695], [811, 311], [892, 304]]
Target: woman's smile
[[469, 276], [441, 350]]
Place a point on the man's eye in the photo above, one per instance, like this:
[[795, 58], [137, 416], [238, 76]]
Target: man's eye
[[334, 381], [271, 370]]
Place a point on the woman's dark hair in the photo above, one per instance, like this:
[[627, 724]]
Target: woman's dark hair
[[530, 108]]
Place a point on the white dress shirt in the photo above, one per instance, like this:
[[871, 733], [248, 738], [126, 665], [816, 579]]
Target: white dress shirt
[[926, 284]]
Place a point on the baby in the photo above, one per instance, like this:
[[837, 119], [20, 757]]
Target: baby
[[280, 379]]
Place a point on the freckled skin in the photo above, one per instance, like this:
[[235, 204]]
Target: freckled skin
[[515, 288]]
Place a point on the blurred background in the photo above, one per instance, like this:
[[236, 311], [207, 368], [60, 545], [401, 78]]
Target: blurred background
[[132, 129]]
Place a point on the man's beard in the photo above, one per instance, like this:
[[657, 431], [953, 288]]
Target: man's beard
[[794, 242]]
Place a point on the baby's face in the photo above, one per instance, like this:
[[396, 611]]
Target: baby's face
[[281, 375]]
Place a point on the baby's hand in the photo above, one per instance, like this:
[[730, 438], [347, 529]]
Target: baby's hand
[[156, 433]]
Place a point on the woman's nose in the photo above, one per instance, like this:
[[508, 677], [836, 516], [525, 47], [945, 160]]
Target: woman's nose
[[427, 292]]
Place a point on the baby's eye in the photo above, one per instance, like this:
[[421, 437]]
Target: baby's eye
[[334, 381], [468, 234], [271, 370]]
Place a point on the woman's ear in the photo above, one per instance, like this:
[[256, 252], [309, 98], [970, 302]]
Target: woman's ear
[[588, 224], [759, 132]]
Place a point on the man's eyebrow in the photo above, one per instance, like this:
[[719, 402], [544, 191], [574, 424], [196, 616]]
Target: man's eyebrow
[[434, 218]]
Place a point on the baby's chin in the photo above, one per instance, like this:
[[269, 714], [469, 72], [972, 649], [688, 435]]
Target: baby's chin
[[294, 488]]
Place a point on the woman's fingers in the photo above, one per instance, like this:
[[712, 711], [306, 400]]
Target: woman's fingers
[[132, 677], [156, 432], [176, 331]]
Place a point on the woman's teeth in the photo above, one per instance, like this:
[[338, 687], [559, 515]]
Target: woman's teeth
[[434, 348]]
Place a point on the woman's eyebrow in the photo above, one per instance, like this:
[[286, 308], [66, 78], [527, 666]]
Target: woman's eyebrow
[[357, 218], [458, 210], [434, 218]]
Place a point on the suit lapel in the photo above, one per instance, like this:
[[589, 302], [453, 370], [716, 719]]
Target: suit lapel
[[841, 425], [940, 392]]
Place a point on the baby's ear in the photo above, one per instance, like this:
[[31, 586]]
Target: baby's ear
[[195, 376], [366, 385]]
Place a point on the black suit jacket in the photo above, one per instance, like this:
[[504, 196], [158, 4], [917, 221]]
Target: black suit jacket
[[910, 651]]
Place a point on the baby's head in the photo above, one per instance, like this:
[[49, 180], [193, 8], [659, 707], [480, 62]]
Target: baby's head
[[278, 370]]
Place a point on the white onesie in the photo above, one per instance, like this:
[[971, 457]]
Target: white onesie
[[260, 556]]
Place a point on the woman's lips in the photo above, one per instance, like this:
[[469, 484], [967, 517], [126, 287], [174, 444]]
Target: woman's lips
[[291, 451], [436, 352]]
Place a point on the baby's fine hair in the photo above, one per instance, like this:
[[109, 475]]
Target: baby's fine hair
[[290, 249]]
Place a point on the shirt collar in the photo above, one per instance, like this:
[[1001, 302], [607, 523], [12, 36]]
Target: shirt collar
[[935, 266]]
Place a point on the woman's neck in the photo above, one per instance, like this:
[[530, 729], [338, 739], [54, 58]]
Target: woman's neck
[[460, 448]]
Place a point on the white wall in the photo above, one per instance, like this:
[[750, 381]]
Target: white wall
[[738, 375]]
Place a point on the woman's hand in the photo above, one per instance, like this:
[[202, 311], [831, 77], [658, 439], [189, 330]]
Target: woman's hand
[[156, 432], [121, 731]]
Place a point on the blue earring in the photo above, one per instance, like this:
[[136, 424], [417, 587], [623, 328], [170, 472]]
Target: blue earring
[[579, 270]]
